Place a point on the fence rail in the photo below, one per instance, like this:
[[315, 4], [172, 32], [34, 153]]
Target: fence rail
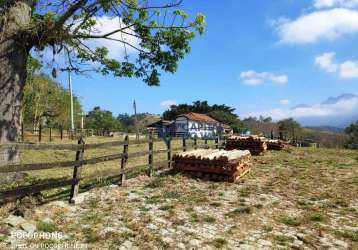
[[79, 162], [72, 147], [50, 133]]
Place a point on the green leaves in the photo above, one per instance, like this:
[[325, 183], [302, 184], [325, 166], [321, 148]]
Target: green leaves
[[290, 127], [352, 132], [154, 37], [181, 13], [222, 113], [143, 15], [102, 120], [33, 65], [200, 23], [50, 16], [46, 100]]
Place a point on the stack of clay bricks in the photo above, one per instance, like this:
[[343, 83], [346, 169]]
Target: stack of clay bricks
[[276, 144], [256, 145], [213, 164]]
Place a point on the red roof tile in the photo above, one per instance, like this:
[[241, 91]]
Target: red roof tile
[[199, 117]]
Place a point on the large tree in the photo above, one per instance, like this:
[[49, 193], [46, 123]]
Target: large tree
[[100, 119], [290, 128], [352, 132], [159, 35]]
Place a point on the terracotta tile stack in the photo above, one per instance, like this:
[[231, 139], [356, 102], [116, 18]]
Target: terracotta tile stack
[[276, 145], [214, 164], [256, 145]]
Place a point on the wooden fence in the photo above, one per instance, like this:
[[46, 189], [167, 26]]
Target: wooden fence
[[42, 134], [79, 162]]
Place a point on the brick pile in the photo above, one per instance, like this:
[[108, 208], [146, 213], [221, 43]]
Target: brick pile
[[214, 164], [276, 145], [256, 145]]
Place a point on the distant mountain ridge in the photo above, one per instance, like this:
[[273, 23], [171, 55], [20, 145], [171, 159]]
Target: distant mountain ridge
[[300, 106], [330, 129], [333, 114], [343, 97]]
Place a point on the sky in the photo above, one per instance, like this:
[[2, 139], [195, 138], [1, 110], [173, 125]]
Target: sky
[[260, 57]]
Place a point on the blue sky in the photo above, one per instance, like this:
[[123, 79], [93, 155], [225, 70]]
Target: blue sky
[[259, 56]]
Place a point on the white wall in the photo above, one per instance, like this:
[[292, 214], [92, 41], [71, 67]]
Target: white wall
[[181, 125], [202, 130], [196, 129]]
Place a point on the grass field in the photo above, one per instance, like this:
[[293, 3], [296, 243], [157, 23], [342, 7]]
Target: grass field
[[91, 173], [300, 199]]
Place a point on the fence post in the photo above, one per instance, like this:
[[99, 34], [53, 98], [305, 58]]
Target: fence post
[[40, 132], [22, 131], [61, 132], [150, 156], [50, 134], [195, 143], [169, 148], [217, 142], [184, 144], [77, 170], [124, 160]]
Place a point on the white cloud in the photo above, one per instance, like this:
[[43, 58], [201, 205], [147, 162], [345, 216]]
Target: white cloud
[[334, 3], [349, 70], [325, 62], [285, 101], [325, 24], [106, 24], [346, 70], [341, 108], [324, 3], [255, 78], [168, 103]]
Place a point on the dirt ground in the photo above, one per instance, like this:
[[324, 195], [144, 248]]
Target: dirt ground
[[300, 199]]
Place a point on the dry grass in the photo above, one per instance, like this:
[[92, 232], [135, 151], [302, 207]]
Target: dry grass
[[92, 173], [302, 199]]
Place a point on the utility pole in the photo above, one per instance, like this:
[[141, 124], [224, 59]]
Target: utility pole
[[82, 122], [136, 120], [71, 94]]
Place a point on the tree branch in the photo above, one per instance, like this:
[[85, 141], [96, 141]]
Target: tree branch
[[84, 36], [69, 13], [154, 7]]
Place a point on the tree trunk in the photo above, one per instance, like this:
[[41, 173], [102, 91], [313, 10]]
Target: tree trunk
[[13, 56]]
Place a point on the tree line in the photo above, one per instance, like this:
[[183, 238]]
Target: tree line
[[46, 102], [221, 113]]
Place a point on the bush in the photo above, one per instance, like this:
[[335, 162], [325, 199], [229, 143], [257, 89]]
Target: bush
[[292, 221]]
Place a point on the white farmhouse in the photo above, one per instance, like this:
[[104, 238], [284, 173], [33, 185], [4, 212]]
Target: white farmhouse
[[191, 125], [194, 125]]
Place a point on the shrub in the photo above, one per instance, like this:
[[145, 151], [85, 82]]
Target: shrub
[[219, 242], [46, 227], [209, 219], [239, 210], [317, 216], [292, 221]]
